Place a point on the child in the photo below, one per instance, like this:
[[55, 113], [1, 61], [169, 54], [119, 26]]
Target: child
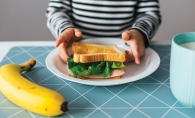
[[136, 21]]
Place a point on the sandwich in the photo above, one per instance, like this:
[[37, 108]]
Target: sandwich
[[96, 61]]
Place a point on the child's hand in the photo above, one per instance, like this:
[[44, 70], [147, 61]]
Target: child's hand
[[66, 38], [136, 42]]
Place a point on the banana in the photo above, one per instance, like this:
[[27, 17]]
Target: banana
[[27, 94]]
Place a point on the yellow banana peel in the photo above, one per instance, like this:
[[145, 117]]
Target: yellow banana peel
[[29, 95]]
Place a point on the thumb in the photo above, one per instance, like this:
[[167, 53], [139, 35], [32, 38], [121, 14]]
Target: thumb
[[126, 36], [77, 33]]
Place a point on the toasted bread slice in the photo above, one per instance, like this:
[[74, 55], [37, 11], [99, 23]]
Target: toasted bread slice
[[86, 53]]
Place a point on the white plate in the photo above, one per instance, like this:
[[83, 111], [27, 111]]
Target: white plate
[[149, 63]]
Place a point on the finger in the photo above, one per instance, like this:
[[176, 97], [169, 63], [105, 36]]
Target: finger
[[126, 52], [65, 36], [126, 36], [60, 40], [129, 56], [137, 58], [57, 42], [135, 51], [63, 52], [78, 34]]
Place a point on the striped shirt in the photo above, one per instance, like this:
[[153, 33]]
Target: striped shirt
[[104, 18]]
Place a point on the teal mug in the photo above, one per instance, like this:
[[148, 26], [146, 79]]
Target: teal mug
[[182, 68]]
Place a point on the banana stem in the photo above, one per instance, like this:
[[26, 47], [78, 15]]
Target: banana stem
[[28, 65], [64, 106]]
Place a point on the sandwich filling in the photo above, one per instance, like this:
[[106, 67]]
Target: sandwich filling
[[102, 68]]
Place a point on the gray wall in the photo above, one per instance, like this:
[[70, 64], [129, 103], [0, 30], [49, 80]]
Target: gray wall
[[22, 20]]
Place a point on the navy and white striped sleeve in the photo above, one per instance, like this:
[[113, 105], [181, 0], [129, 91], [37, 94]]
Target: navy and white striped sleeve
[[148, 18], [58, 16]]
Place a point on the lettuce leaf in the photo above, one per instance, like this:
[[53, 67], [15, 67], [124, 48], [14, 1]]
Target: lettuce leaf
[[117, 65], [104, 68]]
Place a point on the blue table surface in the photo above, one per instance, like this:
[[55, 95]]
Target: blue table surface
[[149, 97]]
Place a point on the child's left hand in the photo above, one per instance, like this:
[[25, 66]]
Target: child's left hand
[[135, 40]]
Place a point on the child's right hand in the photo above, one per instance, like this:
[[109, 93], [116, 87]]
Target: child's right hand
[[66, 38]]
